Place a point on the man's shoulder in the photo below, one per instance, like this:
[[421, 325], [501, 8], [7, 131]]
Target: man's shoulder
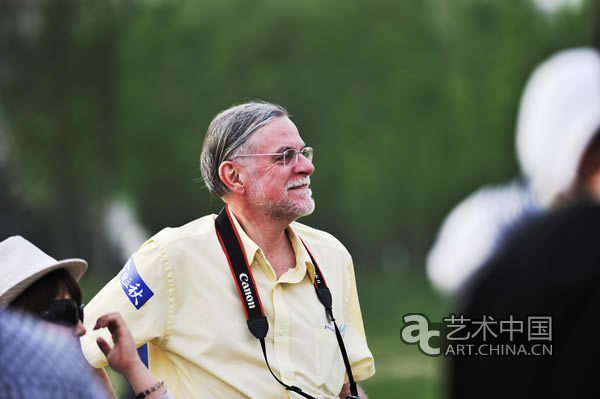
[[317, 238], [200, 229]]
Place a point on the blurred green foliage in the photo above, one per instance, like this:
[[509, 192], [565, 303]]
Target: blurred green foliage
[[401, 370], [409, 104]]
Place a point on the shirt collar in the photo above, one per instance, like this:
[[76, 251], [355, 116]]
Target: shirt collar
[[250, 248], [303, 261]]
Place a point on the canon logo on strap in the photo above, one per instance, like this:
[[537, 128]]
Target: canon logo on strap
[[318, 279], [246, 288]]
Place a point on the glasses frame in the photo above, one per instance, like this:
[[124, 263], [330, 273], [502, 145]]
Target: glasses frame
[[307, 152]]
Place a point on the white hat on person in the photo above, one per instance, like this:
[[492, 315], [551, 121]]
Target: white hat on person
[[22, 263], [559, 116]]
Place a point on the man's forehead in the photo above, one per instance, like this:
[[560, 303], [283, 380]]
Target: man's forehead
[[277, 136]]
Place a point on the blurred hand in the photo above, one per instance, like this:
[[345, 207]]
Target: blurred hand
[[123, 356], [346, 391]]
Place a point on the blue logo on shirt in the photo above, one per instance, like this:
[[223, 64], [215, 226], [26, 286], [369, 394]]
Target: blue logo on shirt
[[134, 287], [342, 329]]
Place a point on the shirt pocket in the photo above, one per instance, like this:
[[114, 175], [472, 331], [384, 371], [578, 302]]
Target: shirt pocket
[[329, 362]]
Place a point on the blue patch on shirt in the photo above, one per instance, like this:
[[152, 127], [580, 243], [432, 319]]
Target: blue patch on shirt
[[143, 352], [134, 287]]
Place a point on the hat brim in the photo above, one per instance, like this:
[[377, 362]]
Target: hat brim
[[75, 267]]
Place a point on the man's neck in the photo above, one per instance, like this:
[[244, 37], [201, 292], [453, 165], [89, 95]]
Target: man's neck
[[270, 236]]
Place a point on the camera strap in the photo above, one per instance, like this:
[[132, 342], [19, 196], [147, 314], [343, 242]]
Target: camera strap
[[255, 316]]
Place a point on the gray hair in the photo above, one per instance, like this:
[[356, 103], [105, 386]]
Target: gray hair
[[226, 136]]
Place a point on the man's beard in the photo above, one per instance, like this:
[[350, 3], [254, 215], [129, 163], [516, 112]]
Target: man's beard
[[285, 208]]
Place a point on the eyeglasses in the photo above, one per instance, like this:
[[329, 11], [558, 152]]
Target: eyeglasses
[[64, 311], [288, 157]]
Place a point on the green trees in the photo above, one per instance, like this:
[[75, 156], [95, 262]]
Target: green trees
[[409, 105]]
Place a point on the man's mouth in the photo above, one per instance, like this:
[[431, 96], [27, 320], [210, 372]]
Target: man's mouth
[[298, 185]]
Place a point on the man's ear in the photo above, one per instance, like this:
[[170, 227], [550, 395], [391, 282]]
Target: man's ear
[[229, 173]]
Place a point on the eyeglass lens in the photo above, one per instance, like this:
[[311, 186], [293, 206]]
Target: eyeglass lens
[[291, 155], [64, 311]]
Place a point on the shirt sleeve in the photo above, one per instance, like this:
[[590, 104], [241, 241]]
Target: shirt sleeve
[[361, 359], [143, 293]]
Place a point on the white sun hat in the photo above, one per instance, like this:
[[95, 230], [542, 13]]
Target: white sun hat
[[559, 115], [473, 230], [22, 263]]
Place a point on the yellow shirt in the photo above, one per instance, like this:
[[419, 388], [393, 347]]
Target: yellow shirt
[[195, 326]]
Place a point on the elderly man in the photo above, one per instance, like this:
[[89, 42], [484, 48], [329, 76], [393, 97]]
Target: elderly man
[[205, 294]]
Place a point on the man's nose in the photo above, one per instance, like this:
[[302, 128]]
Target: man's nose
[[304, 166]]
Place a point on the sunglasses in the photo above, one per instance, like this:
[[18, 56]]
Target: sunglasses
[[66, 312]]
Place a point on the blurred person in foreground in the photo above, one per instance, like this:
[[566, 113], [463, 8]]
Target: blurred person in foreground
[[36, 284], [547, 271], [558, 149], [182, 291], [41, 362]]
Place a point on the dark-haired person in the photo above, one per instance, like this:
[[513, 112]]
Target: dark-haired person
[[219, 297], [34, 283], [54, 297], [539, 294]]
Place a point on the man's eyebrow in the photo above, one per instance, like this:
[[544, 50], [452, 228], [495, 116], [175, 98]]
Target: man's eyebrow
[[284, 148]]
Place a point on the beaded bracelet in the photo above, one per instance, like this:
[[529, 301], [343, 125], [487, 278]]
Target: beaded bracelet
[[149, 390]]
